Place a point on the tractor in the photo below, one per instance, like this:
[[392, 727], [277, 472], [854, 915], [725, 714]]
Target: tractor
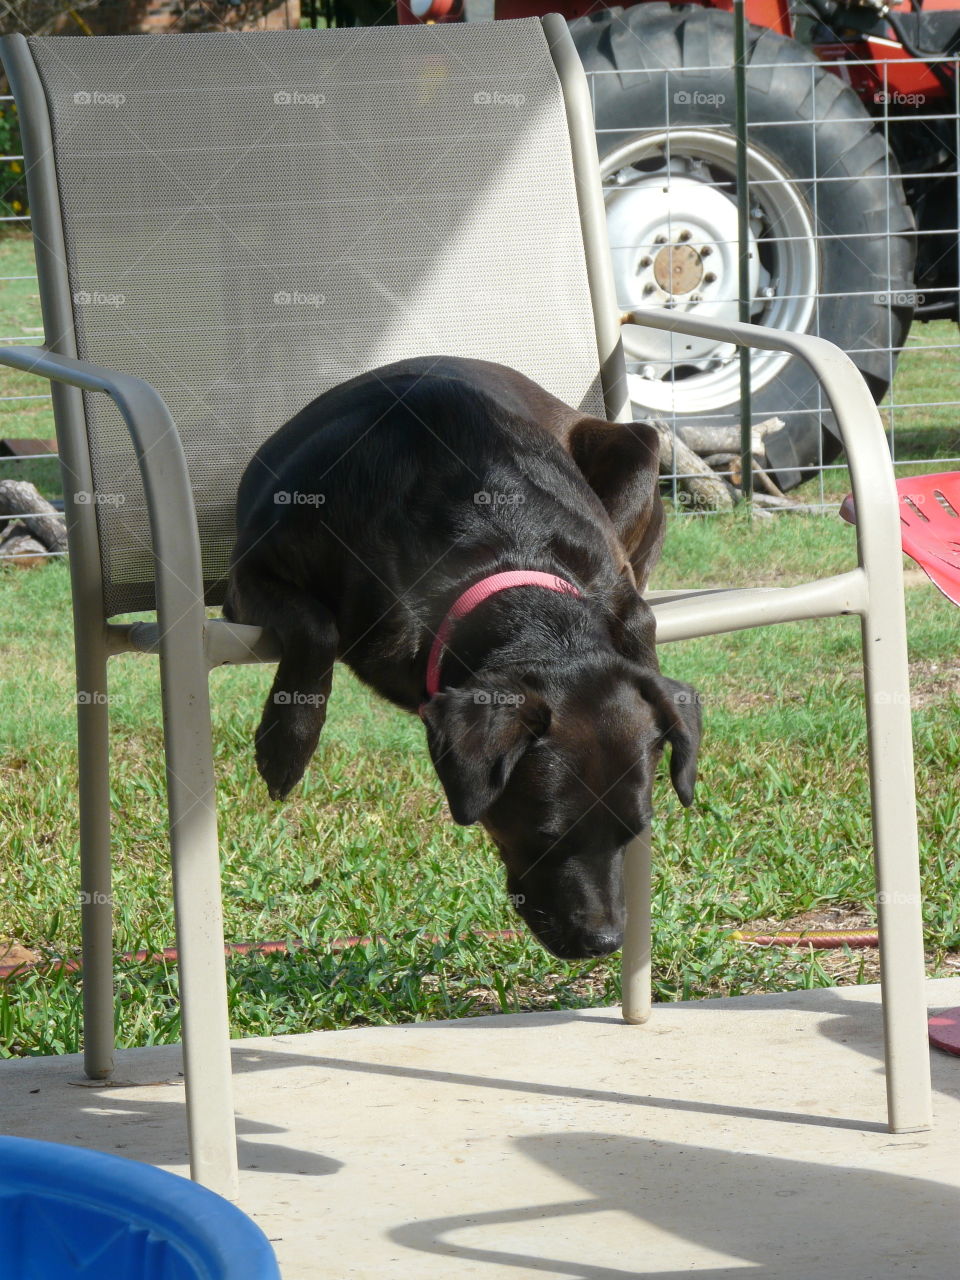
[[852, 150]]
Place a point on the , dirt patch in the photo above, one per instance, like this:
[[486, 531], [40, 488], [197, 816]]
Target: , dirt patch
[[13, 953], [843, 966], [930, 683], [933, 682], [760, 699], [534, 998]]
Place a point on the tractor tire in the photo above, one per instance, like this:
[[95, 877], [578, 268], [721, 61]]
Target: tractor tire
[[832, 236]]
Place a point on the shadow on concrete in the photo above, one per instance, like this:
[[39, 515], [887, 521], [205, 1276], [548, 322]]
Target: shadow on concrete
[[107, 1118], [789, 1219], [538, 1088], [104, 1117]]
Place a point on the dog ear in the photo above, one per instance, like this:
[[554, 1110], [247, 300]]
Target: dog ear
[[677, 707], [476, 737], [621, 463]]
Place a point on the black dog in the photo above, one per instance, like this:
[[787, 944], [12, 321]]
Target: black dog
[[369, 514]]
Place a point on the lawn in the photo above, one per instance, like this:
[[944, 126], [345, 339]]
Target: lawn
[[364, 846]]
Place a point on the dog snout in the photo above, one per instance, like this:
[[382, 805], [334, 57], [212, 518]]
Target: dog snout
[[574, 930], [596, 928], [570, 943], [599, 942]]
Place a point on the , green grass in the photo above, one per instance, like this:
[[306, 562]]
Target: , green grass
[[20, 325], [780, 827], [920, 413]]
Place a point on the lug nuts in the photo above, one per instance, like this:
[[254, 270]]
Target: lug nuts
[[661, 239], [646, 260], [709, 278], [647, 289], [706, 251], [684, 236]]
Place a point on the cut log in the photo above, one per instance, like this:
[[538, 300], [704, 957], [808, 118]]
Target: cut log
[[23, 552], [762, 478], [12, 529], [774, 503], [45, 523], [778, 503], [698, 483], [705, 439], [730, 466], [726, 464]]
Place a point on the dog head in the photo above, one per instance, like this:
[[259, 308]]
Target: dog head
[[559, 767]]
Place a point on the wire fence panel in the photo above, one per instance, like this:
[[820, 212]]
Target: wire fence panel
[[30, 528], [849, 231]]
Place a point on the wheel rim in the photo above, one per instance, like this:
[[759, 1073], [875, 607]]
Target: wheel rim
[[672, 224]]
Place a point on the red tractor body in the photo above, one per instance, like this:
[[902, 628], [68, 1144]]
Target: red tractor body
[[906, 74]]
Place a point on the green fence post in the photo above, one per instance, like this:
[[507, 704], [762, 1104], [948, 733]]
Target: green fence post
[[743, 236]]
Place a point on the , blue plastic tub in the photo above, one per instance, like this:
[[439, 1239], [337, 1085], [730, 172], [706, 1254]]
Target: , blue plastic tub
[[66, 1212]]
